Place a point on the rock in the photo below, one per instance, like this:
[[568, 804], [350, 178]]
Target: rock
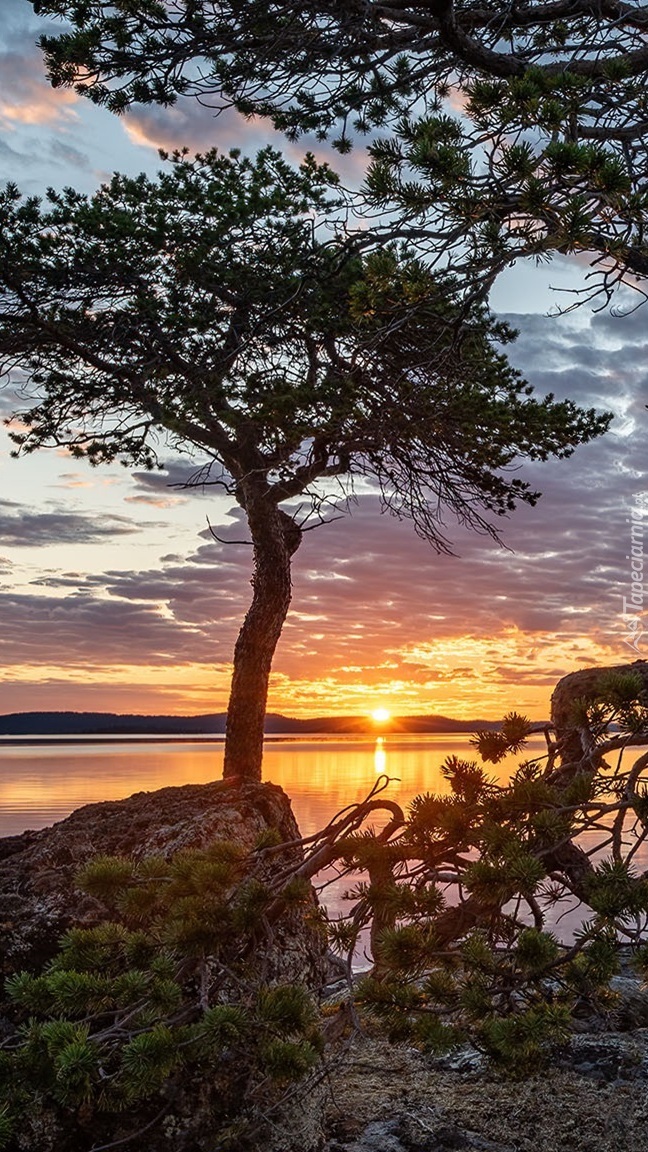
[[608, 1058], [39, 900], [38, 896], [426, 1132], [465, 1059], [397, 1095], [632, 1008], [577, 686]]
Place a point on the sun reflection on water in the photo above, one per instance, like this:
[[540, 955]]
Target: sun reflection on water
[[39, 785], [380, 757]]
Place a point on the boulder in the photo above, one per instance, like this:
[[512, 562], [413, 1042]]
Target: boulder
[[39, 900]]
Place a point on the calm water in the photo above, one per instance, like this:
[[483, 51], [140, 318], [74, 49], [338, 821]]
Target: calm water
[[42, 784]]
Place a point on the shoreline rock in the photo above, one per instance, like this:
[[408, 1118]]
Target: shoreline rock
[[379, 1097], [395, 1099], [38, 896], [39, 901]]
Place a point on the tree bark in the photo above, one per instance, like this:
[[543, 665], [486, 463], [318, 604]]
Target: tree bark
[[276, 537], [575, 686]]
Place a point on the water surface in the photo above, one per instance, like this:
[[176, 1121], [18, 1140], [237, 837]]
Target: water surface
[[43, 783]]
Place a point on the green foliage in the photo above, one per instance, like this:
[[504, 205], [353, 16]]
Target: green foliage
[[334, 73], [105, 877], [588, 974], [614, 892], [144, 300], [536, 950], [222, 1025], [407, 949], [161, 1001], [466, 779], [147, 1061], [500, 862], [462, 899], [520, 1042], [494, 746], [434, 1036], [288, 1008], [285, 1060], [6, 1128]]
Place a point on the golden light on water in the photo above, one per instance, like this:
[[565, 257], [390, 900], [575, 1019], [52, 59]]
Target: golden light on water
[[380, 757], [321, 775]]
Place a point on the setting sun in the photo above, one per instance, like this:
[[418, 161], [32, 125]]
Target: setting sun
[[380, 715]]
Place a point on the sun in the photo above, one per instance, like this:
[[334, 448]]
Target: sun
[[380, 715]]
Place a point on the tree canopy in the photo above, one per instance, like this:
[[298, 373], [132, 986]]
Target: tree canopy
[[211, 307], [521, 127]]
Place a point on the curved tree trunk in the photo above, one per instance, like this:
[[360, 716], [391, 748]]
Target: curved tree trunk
[[571, 739], [276, 537]]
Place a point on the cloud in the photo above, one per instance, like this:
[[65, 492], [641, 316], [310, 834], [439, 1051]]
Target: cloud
[[83, 631], [51, 690], [177, 483], [27, 97], [366, 585], [193, 125], [20, 528], [374, 609], [68, 156], [8, 399], [73, 480]]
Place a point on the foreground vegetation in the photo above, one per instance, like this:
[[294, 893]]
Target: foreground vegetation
[[173, 1003], [169, 1005]]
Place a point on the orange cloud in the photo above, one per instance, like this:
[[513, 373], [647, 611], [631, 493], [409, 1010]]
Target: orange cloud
[[39, 108], [194, 126], [27, 97]]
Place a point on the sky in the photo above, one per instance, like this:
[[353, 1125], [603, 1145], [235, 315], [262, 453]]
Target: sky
[[115, 596]]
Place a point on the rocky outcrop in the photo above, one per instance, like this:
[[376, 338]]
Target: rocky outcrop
[[582, 685], [395, 1099], [38, 896], [39, 900], [380, 1098]]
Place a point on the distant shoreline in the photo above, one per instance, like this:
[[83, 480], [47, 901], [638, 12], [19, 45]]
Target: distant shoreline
[[106, 738], [57, 727]]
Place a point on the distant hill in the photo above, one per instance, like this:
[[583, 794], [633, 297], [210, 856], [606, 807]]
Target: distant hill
[[113, 724]]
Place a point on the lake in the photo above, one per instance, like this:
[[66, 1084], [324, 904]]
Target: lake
[[43, 783]]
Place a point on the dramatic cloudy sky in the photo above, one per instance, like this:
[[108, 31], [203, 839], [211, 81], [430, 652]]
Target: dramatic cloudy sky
[[116, 597]]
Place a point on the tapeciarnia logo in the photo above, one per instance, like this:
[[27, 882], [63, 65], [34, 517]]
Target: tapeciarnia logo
[[634, 602]]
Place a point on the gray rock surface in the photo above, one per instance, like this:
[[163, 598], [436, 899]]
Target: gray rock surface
[[38, 896], [392, 1098], [425, 1132]]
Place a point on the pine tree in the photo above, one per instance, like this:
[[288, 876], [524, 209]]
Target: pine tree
[[162, 1011]]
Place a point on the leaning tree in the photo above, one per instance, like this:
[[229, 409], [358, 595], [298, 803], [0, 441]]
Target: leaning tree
[[211, 305], [545, 146]]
